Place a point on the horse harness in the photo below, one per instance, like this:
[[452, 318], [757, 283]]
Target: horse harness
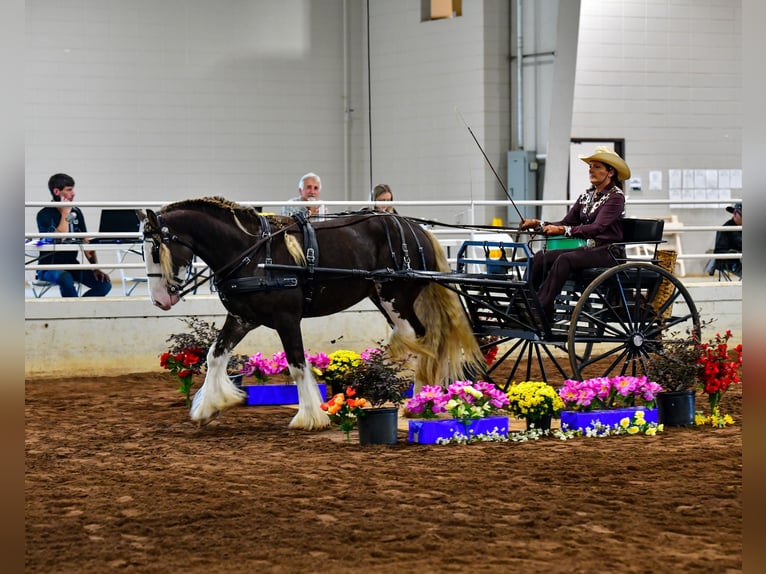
[[227, 285]]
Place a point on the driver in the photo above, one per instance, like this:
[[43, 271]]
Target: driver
[[594, 217]]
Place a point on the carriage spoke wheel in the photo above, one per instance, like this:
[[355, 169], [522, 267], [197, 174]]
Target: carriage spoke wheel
[[519, 359], [627, 315]]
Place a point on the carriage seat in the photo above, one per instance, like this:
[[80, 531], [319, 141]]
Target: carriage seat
[[635, 231]]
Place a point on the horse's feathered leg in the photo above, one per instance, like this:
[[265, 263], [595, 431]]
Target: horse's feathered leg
[[218, 392], [310, 415]]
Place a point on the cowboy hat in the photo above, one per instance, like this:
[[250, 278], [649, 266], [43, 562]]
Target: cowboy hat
[[609, 157], [733, 208]]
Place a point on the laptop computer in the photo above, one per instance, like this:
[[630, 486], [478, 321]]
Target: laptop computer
[[118, 221]]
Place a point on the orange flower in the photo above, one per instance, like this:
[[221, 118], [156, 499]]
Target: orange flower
[[350, 392]]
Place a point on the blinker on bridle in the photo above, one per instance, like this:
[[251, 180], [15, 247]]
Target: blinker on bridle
[[162, 235]]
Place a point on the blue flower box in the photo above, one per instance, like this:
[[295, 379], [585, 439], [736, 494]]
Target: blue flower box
[[576, 420], [429, 431], [276, 394]]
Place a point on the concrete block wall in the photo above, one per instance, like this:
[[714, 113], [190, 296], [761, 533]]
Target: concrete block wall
[[127, 334], [184, 98]]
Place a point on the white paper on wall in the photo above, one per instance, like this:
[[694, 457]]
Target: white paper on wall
[[675, 195], [711, 178], [724, 178], [699, 178], [655, 180], [688, 179], [736, 178], [674, 179]]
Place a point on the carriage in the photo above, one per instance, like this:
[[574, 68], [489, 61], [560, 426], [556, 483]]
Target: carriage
[[607, 321], [274, 271]]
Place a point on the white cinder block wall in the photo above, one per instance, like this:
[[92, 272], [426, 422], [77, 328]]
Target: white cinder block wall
[[183, 98], [422, 71], [666, 76]]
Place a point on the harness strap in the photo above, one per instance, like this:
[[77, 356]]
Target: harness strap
[[253, 284], [266, 235], [421, 251], [311, 248]]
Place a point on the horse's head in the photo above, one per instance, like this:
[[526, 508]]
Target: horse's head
[[168, 260]]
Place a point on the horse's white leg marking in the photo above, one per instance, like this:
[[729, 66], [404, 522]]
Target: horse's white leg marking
[[217, 392], [404, 327], [310, 415], [405, 330]]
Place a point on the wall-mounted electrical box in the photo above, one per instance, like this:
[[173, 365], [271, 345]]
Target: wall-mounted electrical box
[[522, 183]]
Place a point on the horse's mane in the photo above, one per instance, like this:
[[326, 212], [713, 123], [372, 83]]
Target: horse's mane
[[217, 203]]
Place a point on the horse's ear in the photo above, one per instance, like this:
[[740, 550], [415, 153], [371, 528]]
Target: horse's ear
[[151, 218]]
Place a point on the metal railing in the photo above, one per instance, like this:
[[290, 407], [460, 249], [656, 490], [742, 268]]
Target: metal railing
[[451, 237]]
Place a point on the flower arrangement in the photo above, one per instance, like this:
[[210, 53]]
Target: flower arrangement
[[340, 363], [638, 425], [463, 400], [199, 337], [718, 371], [378, 378], [609, 393], [343, 410], [532, 400], [261, 367], [429, 402], [183, 365]]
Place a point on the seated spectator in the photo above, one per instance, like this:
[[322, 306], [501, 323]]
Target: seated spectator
[[62, 220], [309, 188], [382, 192], [728, 242]]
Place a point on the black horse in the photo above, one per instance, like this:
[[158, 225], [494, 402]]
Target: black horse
[[274, 270]]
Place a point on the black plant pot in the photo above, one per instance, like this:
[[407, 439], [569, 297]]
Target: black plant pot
[[543, 423], [378, 425], [675, 408]]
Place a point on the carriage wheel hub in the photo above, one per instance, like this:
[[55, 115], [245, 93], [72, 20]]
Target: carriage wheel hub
[[638, 339]]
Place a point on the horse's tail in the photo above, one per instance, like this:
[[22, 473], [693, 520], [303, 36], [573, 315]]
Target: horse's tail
[[449, 341]]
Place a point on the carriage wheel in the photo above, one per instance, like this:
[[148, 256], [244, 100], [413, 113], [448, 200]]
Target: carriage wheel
[[625, 316], [520, 357]]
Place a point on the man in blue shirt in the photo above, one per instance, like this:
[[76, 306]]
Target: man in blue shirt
[[66, 219]]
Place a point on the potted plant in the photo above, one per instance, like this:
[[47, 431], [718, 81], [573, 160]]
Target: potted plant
[[676, 369], [536, 402], [607, 400], [472, 406], [344, 410], [382, 383], [717, 371], [262, 368], [187, 354]]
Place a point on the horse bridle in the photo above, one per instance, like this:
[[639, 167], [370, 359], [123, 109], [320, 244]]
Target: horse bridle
[[176, 285]]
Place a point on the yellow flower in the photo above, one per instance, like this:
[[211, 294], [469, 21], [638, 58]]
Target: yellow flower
[[639, 417], [624, 423], [632, 430], [651, 431]]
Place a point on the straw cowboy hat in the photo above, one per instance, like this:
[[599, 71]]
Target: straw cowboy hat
[[610, 157]]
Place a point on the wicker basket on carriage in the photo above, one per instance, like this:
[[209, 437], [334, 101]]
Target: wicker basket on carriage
[[666, 258]]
